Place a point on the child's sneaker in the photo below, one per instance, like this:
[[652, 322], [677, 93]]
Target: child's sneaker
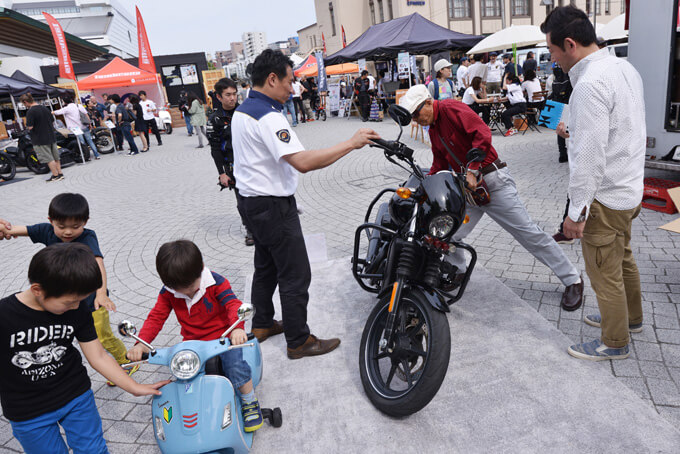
[[129, 372], [510, 132], [252, 416]]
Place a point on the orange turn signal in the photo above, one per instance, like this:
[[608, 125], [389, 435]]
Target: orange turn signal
[[404, 193], [466, 220]]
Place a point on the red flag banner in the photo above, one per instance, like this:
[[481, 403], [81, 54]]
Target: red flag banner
[[344, 38], [323, 39], [146, 62], [65, 65]]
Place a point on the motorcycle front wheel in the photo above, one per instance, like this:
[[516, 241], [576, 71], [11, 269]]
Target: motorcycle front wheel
[[168, 128], [403, 379], [104, 142], [7, 167]]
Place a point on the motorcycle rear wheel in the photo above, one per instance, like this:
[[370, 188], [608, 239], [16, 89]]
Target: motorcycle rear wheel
[[168, 128], [34, 165], [7, 167], [104, 143], [404, 381]]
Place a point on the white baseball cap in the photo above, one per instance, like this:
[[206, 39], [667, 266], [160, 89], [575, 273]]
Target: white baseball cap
[[441, 64], [414, 97]]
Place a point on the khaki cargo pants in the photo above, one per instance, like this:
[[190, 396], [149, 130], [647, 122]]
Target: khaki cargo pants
[[612, 270]]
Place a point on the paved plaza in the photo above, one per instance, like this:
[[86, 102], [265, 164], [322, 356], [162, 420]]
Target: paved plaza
[[138, 203]]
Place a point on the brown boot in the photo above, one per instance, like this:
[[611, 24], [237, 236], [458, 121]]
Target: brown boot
[[313, 346], [262, 334]]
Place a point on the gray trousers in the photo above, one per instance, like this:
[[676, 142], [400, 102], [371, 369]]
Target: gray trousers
[[509, 212]]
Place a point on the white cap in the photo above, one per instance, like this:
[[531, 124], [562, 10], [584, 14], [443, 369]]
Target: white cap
[[414, 97], [441, 64]]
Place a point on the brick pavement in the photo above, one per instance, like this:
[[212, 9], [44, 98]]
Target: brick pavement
[[137, 203]]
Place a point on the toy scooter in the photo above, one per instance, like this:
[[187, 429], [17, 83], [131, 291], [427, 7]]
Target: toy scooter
[[200, 412]]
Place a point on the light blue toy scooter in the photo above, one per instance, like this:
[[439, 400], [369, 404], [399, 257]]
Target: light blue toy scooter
[[199, 412]]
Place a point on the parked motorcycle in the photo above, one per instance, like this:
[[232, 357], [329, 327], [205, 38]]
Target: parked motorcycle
[[164, 120], [23, 154], [406, 342], [200, 411], [67, 139], [103, 139]]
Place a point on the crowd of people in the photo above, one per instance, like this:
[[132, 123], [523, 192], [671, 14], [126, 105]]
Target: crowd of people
[[257, 153]]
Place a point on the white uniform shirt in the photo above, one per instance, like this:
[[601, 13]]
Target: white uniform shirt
[[478, 69], [148, 107], [261, 137], [461, 73], [515, 94], [371, 82], [494, 72], [467, 96], [608, 134]]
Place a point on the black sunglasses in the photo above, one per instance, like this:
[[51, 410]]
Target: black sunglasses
[[417, 111]]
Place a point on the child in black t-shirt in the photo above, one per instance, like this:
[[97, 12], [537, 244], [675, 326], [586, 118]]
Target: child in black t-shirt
[[68, 214], [44, 384]]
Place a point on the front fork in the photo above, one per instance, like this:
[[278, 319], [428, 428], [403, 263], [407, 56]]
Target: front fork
[[393, 309]]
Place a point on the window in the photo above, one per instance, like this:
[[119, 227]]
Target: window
[[390, 10], [129, 36], [623, 6], [491, 8], [459, 9], [588, 2], [380, 9], [607, 7], [519, 7], [330, 8], [371, 7], [55, 10]]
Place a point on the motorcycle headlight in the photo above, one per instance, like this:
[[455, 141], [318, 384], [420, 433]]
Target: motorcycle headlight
[[441, 226], [185, 364]]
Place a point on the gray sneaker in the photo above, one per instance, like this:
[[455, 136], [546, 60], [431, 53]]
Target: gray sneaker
[[596, 321], [597, 351]]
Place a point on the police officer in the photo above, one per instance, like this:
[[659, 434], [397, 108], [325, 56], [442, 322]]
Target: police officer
[[267, 159], [219, 135]]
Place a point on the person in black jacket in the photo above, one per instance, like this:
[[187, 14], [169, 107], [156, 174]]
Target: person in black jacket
[[183, 105], [361, 85], [219, 136], [561, 91]]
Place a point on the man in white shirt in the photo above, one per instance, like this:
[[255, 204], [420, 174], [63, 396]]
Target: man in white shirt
[[477, 69], [267, 159], [606, 162], [494, 74], [149, 109], [72, 114], [461, 75]]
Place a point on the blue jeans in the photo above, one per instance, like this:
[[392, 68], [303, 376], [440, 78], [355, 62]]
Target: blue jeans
[[289, 107], [87, 137], [235, 368], [187, 120], [127, 128], [80, 421]]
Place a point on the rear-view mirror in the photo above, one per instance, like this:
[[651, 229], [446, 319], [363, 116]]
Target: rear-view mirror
[[399, 114], [476, 155]]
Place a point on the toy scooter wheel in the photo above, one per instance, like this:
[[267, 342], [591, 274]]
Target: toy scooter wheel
[[277, 417]]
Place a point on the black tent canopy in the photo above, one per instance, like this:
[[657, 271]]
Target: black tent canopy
[[413, 34], [40, 86]]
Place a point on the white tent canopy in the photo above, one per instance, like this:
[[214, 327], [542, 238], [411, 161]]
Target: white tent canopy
[[614, 29], [520, 35]]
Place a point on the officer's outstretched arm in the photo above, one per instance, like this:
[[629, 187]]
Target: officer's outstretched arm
[[306, 160]]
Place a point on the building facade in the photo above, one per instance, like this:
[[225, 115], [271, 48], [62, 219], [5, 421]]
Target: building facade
[[106, 23], [477, 17], [236, 50], [309, 39], [254, 43]]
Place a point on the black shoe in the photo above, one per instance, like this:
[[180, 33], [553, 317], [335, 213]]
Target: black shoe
[[132, 153], [250, 241], [563, 158], [52, 178], [160, 143]]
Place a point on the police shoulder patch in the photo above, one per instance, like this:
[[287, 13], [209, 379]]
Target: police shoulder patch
[[283, 135]]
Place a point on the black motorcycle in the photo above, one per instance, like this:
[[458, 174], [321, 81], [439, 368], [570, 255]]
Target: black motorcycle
[[7, 167], [24, 155], [406, 342], [103, 139]]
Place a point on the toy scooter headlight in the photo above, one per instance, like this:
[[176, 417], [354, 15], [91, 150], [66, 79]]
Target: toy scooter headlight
[[160, 432], [185, 364]]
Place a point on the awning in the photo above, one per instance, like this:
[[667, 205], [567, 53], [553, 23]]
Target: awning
[[309, 62], [40, 86], [118, 73], [519, 35], [333, 70], [413, 34]]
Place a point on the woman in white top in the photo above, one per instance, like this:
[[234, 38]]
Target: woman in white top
[[472, 96], [516, 103], [532, 85]]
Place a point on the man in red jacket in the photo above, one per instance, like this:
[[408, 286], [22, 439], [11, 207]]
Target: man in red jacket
[[205, 306], [461, 129]]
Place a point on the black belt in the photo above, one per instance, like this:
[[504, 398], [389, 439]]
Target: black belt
[[496, 165]]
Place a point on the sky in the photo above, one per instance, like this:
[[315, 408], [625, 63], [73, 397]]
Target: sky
[[178, 26]]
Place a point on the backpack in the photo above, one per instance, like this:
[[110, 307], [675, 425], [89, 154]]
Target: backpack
[[84, 119], [436, 87]]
